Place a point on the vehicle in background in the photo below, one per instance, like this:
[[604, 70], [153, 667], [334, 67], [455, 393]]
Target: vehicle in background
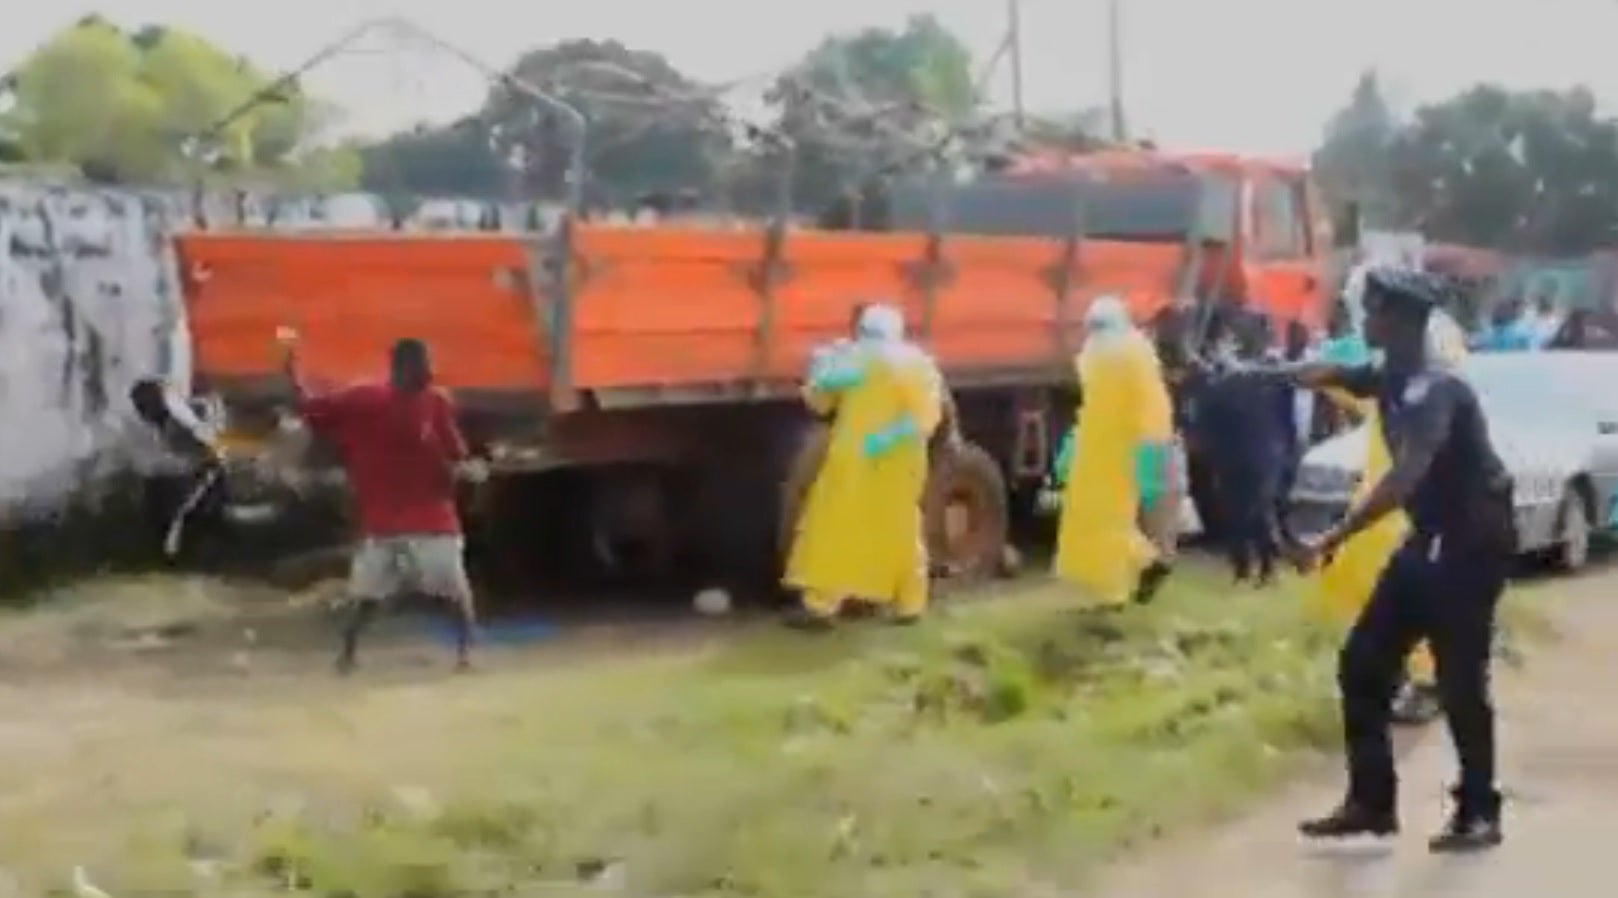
[[1554, 421], [655, 367]]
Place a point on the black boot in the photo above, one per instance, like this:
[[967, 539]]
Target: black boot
[[1350, 820], [1474, 826], [802, 619], [1151, 580]]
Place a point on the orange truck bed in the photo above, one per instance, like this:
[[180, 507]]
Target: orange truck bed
[[653, 310]]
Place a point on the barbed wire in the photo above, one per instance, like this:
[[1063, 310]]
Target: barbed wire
[[878, 135]]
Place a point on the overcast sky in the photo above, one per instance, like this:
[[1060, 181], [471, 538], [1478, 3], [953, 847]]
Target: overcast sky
[[1252, 75]]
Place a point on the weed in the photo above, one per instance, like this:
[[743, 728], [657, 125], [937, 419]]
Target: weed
[[1005, 747]]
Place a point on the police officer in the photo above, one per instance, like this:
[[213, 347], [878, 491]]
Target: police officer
[[1246, 418], [1442, 584]]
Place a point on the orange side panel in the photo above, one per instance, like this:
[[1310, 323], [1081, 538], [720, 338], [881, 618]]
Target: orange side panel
[[351, 297], [665, 306], [829, 273], [651, 306]]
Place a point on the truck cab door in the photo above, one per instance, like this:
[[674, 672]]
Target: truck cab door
[[1284, 274]]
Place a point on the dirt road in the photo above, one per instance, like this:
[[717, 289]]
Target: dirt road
[[1559, 735]]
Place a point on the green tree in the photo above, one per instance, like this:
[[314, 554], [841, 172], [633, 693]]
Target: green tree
[[650, 127], [870, 102], [1352, 163], [128, 105], [80, 99], [457, 160], [1527, 171]]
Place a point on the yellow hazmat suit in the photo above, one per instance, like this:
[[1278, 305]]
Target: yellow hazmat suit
[[860, 535], [1099, 545]]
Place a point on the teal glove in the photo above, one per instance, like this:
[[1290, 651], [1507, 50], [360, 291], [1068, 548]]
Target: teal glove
[[879, 442], [1064, 460], [1346, 350], [836, 370], [1151, 462]]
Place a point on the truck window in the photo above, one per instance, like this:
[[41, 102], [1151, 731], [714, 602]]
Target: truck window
[[1280, 224], [1220, 194], [1153, 208]]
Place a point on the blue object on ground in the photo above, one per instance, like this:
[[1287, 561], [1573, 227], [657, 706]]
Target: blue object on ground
[[503, 631]]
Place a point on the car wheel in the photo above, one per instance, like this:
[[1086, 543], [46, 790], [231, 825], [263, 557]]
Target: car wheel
[[1573, 546]]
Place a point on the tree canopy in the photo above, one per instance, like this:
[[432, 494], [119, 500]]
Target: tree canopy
[[132, 107], [855, 104], [872, 101], [1524, 171], [649, 128], [1352, 163]]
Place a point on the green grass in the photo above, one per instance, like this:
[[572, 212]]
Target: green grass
[[1003, 749]]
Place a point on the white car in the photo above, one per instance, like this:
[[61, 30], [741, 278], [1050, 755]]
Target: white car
[[1553, 417]]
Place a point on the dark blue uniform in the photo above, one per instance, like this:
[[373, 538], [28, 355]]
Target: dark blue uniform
[[1442, 585], [1248, 441]]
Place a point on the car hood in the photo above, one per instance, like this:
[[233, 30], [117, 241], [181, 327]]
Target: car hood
[[1542, 449]]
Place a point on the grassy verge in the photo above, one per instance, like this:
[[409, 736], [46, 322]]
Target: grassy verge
[[1001, 750]]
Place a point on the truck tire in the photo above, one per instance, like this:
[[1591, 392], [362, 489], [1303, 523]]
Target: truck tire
[[965, 515], [965, 518]]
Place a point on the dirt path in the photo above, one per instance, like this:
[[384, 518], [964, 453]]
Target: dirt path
[[1559, 758]]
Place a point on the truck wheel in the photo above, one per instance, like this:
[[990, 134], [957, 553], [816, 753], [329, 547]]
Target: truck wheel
[[800, 474], [965, 515]]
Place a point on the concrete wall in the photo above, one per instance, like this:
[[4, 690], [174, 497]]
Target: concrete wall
[[88, 304]]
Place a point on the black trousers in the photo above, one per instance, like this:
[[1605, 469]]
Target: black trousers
[[1248, 495], [1286, 478], [1448, 596]]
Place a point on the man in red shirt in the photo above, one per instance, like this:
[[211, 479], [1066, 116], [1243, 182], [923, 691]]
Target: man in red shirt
[[401, 450]]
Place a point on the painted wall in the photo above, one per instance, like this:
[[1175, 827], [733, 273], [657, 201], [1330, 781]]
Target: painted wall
[[88, 305]]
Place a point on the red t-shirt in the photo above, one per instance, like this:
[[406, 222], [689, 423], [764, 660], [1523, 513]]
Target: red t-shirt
[[399, 451]]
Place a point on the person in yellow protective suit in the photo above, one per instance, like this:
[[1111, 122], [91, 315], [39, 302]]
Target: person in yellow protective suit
[[1344, 584], [859, 535], [1125, 409]]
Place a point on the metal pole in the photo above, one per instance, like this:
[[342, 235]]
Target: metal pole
[[1115, 71], [1014, 46]]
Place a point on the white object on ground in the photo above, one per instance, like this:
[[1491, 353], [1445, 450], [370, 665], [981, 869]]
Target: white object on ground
[[712, 602], [83, 887]]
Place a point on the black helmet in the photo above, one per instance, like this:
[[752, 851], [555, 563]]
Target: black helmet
[[1406, 289]]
